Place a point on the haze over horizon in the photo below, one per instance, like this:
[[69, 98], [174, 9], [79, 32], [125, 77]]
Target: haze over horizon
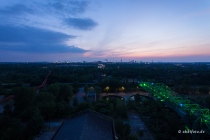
[[95, 30]]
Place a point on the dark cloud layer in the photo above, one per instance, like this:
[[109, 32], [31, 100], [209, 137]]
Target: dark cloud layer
[[69, 6], [34, 40], [61, 9], [72, 7], [17, 9], [81, 23], [18, 32]]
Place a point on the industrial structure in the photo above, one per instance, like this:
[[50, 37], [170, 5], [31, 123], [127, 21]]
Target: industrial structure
[[179, 103]]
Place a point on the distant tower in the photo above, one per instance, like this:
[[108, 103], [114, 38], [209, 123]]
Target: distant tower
[[121, 59]]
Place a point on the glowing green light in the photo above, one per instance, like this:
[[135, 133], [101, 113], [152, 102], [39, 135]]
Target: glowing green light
[[164, 93], [187, 128]]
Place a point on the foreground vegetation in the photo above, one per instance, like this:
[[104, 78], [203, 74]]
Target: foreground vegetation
[[32, 109]]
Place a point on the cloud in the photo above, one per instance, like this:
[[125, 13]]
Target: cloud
[[35, 40], [69, 6], [81, 23], [16, 9], [38, 13], [72, 7]]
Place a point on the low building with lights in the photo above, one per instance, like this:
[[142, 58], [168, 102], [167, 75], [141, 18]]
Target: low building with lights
[[101, 66]]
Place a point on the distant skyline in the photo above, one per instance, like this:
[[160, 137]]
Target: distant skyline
[[95, 30]]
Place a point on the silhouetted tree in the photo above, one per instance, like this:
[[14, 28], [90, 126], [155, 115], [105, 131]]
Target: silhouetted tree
[[75, 101], [7, 110], [34, 126], [86, 88], [46, 104], [75, 87], [122, 130]]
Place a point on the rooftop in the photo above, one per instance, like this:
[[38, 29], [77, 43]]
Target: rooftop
[[86, 126]]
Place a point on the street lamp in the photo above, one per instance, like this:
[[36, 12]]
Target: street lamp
[[107, 89], [123, 88]]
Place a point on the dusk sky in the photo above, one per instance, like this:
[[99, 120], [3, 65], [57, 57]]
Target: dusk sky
[[95, 30]]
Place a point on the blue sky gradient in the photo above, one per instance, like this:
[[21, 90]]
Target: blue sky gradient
[[92, 30]]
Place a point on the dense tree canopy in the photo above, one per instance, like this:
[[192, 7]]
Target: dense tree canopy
[[57, 99]]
